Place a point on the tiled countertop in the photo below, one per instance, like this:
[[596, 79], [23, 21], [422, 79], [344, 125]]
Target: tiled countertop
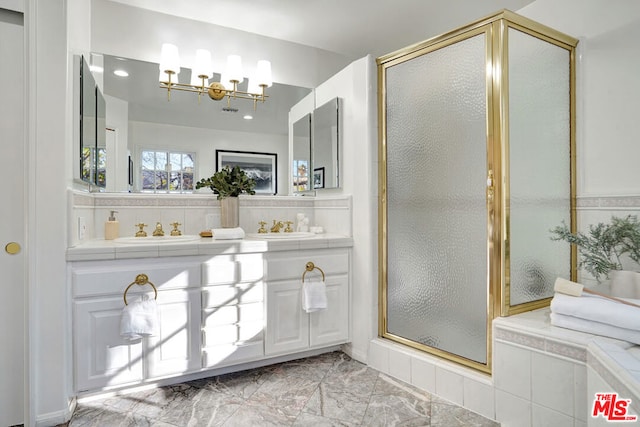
[[95, 250], [618, 362]]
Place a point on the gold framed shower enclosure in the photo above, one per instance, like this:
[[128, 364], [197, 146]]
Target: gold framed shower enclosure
[[464, 214]]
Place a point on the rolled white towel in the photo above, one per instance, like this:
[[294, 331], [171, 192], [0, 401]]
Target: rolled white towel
[[314, 295], [595, 328], [228, 233], [139, 319], [597, 309]]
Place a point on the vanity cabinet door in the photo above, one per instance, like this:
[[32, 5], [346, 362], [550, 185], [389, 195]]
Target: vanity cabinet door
[[331, 326], [102, 358], [176, 349], [287, 328]]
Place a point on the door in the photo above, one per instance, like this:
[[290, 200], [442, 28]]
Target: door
[[437, 168], [287, 327], [102, 357], [176, 348], [331, 326], [12, 223]]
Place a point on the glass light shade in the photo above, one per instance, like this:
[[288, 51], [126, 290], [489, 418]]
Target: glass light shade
[[263, 73], [203, 65], [254, 87], [169, 58], [234, 68]]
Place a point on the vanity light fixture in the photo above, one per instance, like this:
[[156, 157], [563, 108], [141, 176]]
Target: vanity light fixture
[[203, 71]]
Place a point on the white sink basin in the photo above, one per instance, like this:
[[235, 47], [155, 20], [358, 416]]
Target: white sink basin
[[152, 240], [281, 235]]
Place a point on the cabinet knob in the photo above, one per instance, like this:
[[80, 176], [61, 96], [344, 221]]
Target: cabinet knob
[[12, 248]]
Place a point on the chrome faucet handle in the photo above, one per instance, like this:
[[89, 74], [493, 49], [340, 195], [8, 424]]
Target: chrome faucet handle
[[262, 230], [158, 231], [288, 229], [175, 231]]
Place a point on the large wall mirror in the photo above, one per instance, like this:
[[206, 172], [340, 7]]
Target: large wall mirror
[[149, 126], [325, 139]]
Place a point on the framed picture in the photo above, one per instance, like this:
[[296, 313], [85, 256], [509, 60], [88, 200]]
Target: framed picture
[[262, 167], [318, 177]]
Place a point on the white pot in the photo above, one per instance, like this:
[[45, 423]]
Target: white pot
[[625, 284]]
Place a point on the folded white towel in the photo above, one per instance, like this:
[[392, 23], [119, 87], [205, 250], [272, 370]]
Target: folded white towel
[[314, 296], [598, 309], [139, 319], [596, 328], [228, 233]]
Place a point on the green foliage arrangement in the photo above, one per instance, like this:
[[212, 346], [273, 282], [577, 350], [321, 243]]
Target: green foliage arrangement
[[603, 247], [229, 182]]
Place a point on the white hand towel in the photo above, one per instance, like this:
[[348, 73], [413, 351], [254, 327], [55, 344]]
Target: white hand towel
[[139, 319], [228, 233], [596, 328], [598, 309], [314, 296]]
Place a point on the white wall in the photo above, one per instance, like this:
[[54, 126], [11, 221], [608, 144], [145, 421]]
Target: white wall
[[356, 85], [48, 126], [205, 142]]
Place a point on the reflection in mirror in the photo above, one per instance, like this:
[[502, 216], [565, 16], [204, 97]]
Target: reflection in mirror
[[146, 120], [101, 140], [87, 123], [301, 153], [325, 142]]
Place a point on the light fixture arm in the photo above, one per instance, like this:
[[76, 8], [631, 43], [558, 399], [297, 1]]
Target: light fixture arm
[[215, 90]]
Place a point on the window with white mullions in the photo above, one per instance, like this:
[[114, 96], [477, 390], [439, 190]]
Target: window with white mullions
[[166, 172]]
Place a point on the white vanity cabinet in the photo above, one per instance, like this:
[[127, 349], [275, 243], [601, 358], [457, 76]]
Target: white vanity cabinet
[[289, 328], [227, 308], [102, 358]]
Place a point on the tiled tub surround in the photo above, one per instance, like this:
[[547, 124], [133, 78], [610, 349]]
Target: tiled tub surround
[[196, 211], [542, 375]]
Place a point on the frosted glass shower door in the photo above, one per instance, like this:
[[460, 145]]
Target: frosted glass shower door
[[436, 207]]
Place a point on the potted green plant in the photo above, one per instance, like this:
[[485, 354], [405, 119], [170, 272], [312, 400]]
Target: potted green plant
[[228, 183], [603, 248]]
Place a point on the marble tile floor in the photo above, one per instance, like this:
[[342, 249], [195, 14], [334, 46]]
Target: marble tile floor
[[326, 390]]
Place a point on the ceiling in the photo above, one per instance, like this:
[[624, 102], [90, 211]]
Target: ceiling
[[353, 28]]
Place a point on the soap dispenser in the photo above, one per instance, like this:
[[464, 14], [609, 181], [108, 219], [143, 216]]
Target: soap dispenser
[[111, 227]]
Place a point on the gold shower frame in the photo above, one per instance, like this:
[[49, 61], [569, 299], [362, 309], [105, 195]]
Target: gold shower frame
[[495, 27]]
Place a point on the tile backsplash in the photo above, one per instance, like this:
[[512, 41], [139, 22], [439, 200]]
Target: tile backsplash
[[197, 212]]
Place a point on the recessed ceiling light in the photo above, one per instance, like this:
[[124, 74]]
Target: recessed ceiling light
[[95, 69], [247, 117], [121, 73]]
